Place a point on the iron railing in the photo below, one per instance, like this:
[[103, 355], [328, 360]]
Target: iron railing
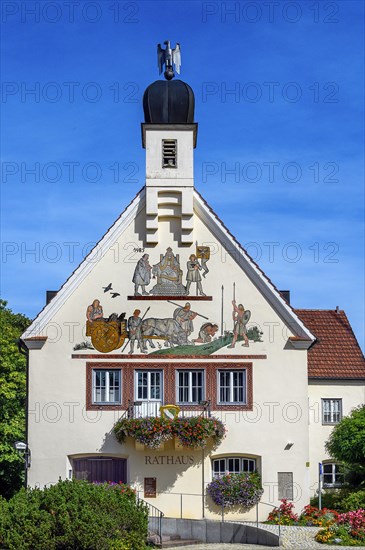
[[144, 408], [185, 509], [154, 520]]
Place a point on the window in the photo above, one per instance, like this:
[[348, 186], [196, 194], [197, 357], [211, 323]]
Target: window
[[169, 153], [233, 465], [148, 393], [190, 386], [331, 411], [148, 385], [232, 386], [106, 386], [332, 476]]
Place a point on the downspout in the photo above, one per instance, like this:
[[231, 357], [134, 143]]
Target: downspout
[[203, 485], [22, 348]]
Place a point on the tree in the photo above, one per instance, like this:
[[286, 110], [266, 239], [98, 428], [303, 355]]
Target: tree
[[12, 398], [347, 440]]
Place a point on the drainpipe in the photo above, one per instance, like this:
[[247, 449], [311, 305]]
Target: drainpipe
[[203, 488], [22, 348]]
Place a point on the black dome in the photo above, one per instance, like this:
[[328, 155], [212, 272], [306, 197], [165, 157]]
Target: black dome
[[168, 102]]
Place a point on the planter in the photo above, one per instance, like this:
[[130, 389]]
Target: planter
[[140, 447], [178, 444]]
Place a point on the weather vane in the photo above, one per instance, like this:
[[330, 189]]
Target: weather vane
[[169, 58]]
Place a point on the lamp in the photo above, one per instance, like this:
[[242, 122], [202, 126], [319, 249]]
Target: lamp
[[22, 447]]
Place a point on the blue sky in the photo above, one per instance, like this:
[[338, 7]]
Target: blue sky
[[279, 102]]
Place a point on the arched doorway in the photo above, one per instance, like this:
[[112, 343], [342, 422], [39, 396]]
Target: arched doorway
[[100, 468]]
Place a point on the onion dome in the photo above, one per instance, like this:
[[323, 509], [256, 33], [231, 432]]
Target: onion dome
[[168, 102]]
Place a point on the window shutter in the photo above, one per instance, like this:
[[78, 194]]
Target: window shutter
[[169, 153], [285, 485]]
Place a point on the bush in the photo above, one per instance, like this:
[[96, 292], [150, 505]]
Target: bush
[[236, 489], [75, 514], [330, 499], [4, 512], [342, 500], [353, 501]]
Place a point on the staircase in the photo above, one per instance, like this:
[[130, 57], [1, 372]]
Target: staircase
[[172, 541]]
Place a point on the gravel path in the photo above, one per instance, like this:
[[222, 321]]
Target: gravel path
[[292, 537]]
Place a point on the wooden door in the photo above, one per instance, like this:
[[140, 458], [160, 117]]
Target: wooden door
[[100, 469]]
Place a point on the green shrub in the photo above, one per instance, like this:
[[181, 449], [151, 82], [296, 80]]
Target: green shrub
[[76, 514], [4, 513], [331, 499], [354, 501], [28, 526], [342, 500]]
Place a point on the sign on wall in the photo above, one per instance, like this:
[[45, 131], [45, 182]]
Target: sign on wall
[[149, 487]]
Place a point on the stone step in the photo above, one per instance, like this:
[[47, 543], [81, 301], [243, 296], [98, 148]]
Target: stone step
[[166, 538], [179, 542]]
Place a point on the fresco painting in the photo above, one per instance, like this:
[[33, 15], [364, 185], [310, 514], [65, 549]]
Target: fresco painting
[[187, 331]]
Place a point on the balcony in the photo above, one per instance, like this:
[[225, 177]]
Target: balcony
[[144, 409], [191, 428]]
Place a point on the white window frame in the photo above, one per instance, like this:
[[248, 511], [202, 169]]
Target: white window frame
[[335, 472], [149, 372], [333, 410], [241, 469], [190, 372], [232, 387], [107, 386]]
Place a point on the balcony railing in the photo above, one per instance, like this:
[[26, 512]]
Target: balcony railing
[[142, 409]]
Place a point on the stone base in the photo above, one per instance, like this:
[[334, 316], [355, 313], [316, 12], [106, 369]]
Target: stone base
[[168, 290]]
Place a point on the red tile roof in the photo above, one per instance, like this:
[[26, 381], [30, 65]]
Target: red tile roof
[[336, 353]]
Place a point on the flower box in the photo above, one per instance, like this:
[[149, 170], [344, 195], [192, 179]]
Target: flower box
[[195, 432]]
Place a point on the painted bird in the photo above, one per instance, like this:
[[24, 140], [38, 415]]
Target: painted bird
[[115, 294], [107, 288]]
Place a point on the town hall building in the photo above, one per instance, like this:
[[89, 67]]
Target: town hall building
[[182, 323]]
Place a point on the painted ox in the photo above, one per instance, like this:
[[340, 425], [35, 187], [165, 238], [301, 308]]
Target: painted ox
[[166, 329]]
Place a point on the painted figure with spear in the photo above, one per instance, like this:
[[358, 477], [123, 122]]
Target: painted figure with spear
[[240, 317], [185, 316]]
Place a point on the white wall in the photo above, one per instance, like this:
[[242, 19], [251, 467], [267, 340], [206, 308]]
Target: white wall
[[352, 394]]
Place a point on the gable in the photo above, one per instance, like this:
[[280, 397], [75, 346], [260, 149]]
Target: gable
[[231, 273]]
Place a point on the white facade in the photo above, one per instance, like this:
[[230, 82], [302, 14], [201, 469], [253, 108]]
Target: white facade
[[270, 422]]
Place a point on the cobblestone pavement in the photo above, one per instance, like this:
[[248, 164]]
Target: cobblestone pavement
[[292, 537]]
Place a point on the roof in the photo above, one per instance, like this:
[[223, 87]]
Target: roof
[[336, 353]]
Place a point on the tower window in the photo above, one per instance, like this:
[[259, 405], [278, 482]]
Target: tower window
[[169, 153]]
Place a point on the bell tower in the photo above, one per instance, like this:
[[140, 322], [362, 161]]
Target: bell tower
[[169, 136]]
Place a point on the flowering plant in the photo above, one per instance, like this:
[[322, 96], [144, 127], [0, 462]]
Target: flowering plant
[[236, 489], [348, 529], [150, 431], [283, 515], [193, 432], [312, 516], [355, 519]]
